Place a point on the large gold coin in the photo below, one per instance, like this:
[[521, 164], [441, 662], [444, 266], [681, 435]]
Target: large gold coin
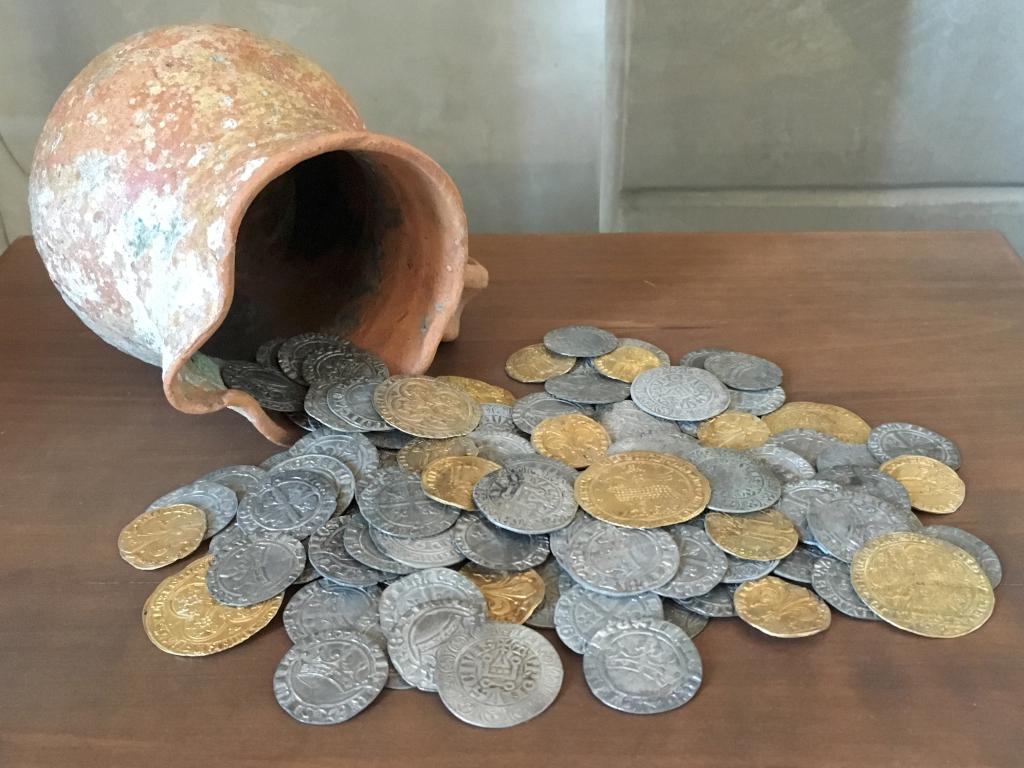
[[536, 363], [511, 596], [450, 480], [415, 455], [480, 391], [425, 407], [161, 536], [781, 609], [922, 584], [767, 535], [831, 419], [932, 486], [643, 489], [626, 363], [181, 618], [572, 438], [733, 429]]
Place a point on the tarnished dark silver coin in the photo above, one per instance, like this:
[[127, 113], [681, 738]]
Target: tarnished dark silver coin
[[586, 386], [497, 549], [691, 623], [292, 353], [739, 370], [271, 389], [532, 409], [830, 579], [797, 565], [716, 604], [868, 480], [759, 402]]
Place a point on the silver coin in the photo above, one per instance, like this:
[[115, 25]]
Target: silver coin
[[809, 443], [292, 353], [716, 604], [887, 441], [622, 420], [422, 630], [273, 460], [580, 613], [361, 546], [543, 616], [308, 571], [869, 480], [586, 386], [255, 569], [500, 447], [266, 353], [333, 468], [232, 534], [330, 678], [496, 675], [851, 518], [642, 666], [973, 546], [394, 502], [702, 565], [328, 555], [757, 401], [358, 453], [495, 417], [426, 586], [739, 483], [658, 352], [499, 550], [740, 570], [679, 393], [797, 498], [345, 406], [526, 499], [531, 410], [425, 552], [738, 370], [846, 454], [396, 682], [218, 502], [830, 579], [580, 341], [304, 421], [690, 428], [240, 478], [673, 443], [545, 463], [691, 623], [797, 565], [270, 388], [295, 502], [696, 357], [788, 466], [343, 365], [391, 440], [322, 606]]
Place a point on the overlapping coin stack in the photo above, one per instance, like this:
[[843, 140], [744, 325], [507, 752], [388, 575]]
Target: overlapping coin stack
[[624, 506]]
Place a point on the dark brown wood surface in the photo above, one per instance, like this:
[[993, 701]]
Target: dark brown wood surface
[[922, 327]]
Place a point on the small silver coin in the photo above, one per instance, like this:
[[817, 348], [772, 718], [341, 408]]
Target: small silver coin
[[691, 623], [887, 441], [391, 440], [232, 534], [739, 370], [740, 570], [255, 569], [580, 341], [672, 443], [240, 478], [852, 518], [526, 499], [846, 454], [809, 443], [322, 606], [292, 353], [830, 579], [394, 502], [581, 612], [869, 480], [973, 546], [797, 565], [543, 616], [739, 483], [690, 428], [426, 586], [759, 402], [328, 555], [797, 498], [434, 551], [495, 417], [333, 468], [788, 466], [218, 502], [696, 357], [396, 682], [308, 571], [622, 420], [295, 502], [658, 352], [531, 410], [545, 463], [345, 406], [497, 549], [586, 386], [343, 365], [496, 675], [702, 565], [679, 393], [642, 666], [500, 447], [304, 421], [266, 353], [330, 678], [361, 546], [422, 630], [270, 388], [358, 453], [716, 604]]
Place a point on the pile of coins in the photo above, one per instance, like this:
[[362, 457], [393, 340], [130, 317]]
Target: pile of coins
[[623, 506]]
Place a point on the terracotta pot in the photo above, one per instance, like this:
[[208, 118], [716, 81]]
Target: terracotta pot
[[197, 190]]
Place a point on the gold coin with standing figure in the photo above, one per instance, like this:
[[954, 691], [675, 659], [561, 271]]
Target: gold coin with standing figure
[[480, 391], [626, 363], [833, 420], [643, 489], [450, 480], [922, 584], [536, 364], [512, 596], [571, 438], [932, 486], [181, 618], [767, 535], [733, 429], [415, 455], [161, 536], [425, 407], [781, 609]]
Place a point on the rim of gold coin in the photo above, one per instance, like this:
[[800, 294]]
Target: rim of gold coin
[[733, 429], [415, 455], [625, 363], [162, 536], [481, 391], [841, 423], [512, 596], [780, 609], [932, 485], [422, 406], [536, 364], [571, 438], [764, 535], [450, 480], [642, 489]]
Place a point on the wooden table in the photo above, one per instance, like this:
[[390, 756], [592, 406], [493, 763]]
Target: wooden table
[[922, 327]]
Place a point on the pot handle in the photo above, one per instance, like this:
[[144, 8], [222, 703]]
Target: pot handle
[[474, 280]]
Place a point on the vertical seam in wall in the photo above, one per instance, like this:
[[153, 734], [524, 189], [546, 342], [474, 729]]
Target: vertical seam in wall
[[4, 239], [617, 47], [7, 150]]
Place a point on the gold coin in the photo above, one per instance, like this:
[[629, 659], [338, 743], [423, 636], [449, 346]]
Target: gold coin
[[766, 535], [831, 419], [781, 609], [161, 536], [536, 363], [733, 429], [642, 489], [626, 363], [480, 391], [181, 618], [511, 596], [922, 584], [425, 407], [450, 480], [416, 454], [572, 438], [932, 486]]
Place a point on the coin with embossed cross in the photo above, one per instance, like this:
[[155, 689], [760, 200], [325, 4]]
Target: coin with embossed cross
[[218, 502], [343, 365], [868, 480], [526, 500], [499, 447], [361, 546], [679, 393], [739, 370], [495, 418], [702, 565], [255, 569], [292, 353], [887, 441], [798, 564], [500, 550], [164, 535], [844, 455], [580, 612], [345, 406], [333, 469], [422, 552], [741, 570], [758, 402], [354, 449], [295, 502], [716, 604], [394, 502], [270, 388], [788, 466], [691, 623], [331, 559], [808, 443], [536, 363], [797, 499], [321, 606]]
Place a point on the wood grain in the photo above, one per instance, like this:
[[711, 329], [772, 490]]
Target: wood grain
[[923, 327]]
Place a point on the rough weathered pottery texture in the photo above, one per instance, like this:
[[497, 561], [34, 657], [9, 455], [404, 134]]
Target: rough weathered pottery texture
[[197, 190]]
